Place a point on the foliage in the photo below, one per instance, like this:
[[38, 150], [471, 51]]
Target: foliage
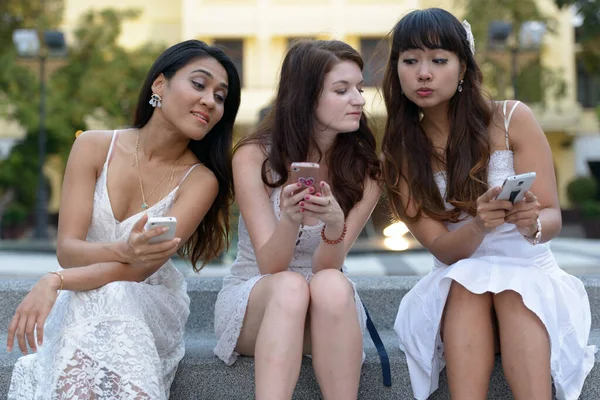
[[98, 84], [582, 189], [535, 82]]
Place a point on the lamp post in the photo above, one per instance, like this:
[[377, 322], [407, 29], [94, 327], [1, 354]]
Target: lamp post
[[28, 45], [526, 39]]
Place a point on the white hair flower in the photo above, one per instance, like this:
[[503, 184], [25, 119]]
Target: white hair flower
[[470, 37]]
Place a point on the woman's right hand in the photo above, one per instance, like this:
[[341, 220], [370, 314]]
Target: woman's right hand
[[31, 314], [290, 202], [137, 250], [491, 212]]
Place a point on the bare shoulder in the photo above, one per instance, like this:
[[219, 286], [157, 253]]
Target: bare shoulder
[[202, 179], [523, 128], [248, 154], [91, 147], [513, 109], [202, 173], [95, 138], [521, 123]]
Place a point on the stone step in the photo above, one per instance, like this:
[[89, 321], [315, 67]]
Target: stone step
[[381, 295], [201, 375]]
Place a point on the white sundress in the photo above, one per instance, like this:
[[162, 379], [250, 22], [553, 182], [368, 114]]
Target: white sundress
[[230, 307], [505, 260], [121, 341]]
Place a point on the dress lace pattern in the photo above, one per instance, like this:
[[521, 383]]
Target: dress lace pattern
[[121, 341]]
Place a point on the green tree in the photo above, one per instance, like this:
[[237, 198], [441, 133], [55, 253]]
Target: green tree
[[535, 82], [99, 82], [588, 32]]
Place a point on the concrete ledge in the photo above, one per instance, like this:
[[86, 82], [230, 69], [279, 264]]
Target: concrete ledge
[[381, 294], [202, 376]]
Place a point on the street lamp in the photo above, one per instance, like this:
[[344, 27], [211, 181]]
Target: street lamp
[[527, 40], [27, 43]]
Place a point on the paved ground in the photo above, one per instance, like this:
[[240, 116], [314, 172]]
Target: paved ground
[[576, 256]]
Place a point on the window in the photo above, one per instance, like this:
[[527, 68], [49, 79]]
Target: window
[[374, 54], [588, 87], [235, 50]]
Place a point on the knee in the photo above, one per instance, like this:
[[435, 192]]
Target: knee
[[459, 294], [508, 300], [289, 292], [331, 292]]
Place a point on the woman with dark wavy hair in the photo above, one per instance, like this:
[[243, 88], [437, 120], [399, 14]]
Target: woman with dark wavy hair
[[288, 293], [119, 307], [447, 150]]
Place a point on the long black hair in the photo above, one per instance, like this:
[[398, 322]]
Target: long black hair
[[407, 150], [214, 150]]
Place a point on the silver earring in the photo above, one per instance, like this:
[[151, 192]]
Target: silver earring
[[460, 83], [155, 100]]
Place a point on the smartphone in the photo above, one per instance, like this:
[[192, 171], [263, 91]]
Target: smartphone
[[159, 222], [515, 187], [307, 174]]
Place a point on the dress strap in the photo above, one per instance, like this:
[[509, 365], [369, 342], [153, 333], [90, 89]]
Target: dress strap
[[187, 173], [112, 145], [507, 119]]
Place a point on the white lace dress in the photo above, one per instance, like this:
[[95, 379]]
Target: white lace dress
[[121, 341], [505, 260], [230, 307]]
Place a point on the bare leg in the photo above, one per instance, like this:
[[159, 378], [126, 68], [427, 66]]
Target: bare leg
[[525, 348], [96, 380], [336, 338], [273, 332], [468, 337]]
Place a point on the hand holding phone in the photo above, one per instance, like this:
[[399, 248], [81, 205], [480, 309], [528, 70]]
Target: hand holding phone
[[515, 187], [307, 174], [162, 222]]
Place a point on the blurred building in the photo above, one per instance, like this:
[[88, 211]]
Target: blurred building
[[257, 33]]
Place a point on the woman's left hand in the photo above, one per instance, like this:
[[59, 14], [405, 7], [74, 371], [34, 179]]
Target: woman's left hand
[[524, 215], [323, 207], [32, 313]]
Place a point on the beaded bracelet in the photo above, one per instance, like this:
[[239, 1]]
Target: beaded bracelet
[[336, 241]]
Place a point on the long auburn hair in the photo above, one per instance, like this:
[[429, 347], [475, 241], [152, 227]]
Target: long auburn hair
[[407, 150], [287, 133], [214, 150]]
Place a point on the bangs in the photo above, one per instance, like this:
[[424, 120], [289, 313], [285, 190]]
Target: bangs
[[430, 29]]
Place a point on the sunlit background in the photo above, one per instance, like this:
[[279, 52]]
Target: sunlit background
[[72, 65]]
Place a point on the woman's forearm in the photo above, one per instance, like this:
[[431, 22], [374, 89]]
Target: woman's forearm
[[329, 255], [95, 276], [276, 254], [457, 245], [77, 253]]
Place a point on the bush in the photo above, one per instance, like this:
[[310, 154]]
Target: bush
[[582, 189], [590, 209], [15, 214]]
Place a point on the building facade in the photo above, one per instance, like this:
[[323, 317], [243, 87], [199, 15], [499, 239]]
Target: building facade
[[257, 33]]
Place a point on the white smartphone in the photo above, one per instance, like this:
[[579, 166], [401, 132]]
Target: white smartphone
[[158, 222], [515, 187]]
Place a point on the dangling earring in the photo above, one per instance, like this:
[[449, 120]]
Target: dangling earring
[[460, 83], [155, 100]]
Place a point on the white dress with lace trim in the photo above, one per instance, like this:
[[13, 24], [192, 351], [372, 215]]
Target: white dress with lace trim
[[230, 307], [505, 260], [121, 341]]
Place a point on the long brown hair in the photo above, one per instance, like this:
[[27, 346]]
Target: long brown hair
[[287, 133], [214, 150], [407, 150]]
